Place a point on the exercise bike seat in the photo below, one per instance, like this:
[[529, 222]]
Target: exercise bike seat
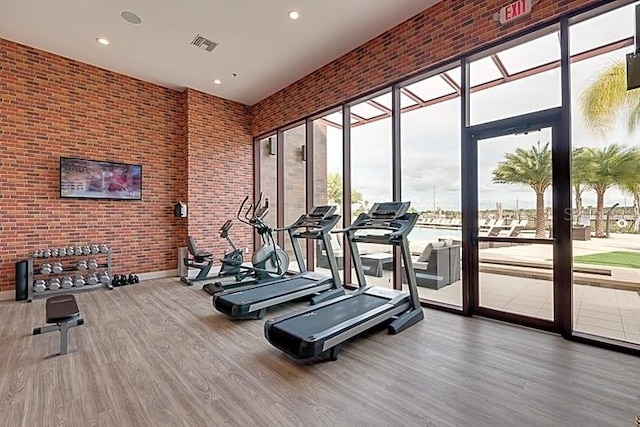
[[192, 246]]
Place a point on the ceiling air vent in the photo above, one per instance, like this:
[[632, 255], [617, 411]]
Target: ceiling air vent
[[204, 43]]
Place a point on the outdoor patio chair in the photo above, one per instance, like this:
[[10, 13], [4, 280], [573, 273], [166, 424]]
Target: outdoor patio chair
[[515, 228], [437, 266]]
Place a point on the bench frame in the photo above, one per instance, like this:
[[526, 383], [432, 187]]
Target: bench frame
[[63, 327]]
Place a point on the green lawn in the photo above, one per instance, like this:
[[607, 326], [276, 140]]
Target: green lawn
[[617, 258]]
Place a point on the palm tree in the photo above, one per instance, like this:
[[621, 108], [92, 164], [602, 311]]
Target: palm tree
[[631, 184], [334, 190], [580, 165], [532, 168], [607, 98], [610, 166]]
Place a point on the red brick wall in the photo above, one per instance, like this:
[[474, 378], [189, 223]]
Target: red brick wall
[[220, 169], [51, 107], [444, 31]]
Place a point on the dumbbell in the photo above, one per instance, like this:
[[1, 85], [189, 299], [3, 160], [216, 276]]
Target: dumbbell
[[82, 265], [92, 279], [86, 250], [45, 268], [95, 249], [104, 249], [35, 254], [66, 283], [93, 264], [77, 250], [54, 252], [79, 282], [40, 285], [119, 280], [70, 251], [54, 284], [57, 267], [104, 278], [133, 278], [46, 253], [62, 251]]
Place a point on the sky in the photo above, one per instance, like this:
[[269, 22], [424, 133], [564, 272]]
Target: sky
[[431, 135]]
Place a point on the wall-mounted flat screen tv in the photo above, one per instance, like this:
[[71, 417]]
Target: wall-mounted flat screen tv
[[90, 179]]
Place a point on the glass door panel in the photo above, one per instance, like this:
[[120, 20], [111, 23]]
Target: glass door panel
[[515, 250]]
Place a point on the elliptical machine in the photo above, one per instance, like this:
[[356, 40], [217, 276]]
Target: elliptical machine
[[269, 262]]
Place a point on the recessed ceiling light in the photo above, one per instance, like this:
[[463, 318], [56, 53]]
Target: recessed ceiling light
[[131, 17], [217, 82], [294, 14], [102, 41]]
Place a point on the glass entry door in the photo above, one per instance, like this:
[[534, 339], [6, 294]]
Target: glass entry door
[[516, 262]]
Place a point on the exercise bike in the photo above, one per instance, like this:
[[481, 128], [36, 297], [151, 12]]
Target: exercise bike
[[203, 261], [269, 262]]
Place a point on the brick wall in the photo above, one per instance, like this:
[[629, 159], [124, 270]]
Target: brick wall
[[220, 151], [52, 106], [444, 31]]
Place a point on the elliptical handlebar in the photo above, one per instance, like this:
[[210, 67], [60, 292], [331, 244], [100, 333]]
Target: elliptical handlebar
[[241, 207], [254, 214]]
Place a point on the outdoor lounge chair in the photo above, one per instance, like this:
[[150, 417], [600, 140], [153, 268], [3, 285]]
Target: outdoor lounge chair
[[516, 229]]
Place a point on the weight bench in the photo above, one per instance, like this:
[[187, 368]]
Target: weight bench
[[63, 311]]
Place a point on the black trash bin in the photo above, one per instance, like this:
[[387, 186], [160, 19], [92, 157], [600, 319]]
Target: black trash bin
[[21, 280]]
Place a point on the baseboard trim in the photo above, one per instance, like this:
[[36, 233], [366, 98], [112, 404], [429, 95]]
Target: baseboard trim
[[7, 295], [158, 274]]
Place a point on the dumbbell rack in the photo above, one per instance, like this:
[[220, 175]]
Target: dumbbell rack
[[33, 272]]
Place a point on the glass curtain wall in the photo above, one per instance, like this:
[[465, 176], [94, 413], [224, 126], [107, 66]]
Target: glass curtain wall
[[430, 150], [328, 183], [295, 185], [605, 179], [372, 181], [517, 78]]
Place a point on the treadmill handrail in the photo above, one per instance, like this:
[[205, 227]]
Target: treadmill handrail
[[407, 223], [312, 225]]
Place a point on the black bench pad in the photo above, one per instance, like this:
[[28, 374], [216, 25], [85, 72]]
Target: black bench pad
[[62, 308]]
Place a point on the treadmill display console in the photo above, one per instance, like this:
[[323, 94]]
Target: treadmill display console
[[322, 212], [389, 210]]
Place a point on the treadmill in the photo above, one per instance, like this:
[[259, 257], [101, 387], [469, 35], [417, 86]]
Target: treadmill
[[251, 302], [319, 331]]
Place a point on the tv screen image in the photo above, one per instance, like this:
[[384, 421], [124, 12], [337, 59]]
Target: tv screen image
[[90, 179]]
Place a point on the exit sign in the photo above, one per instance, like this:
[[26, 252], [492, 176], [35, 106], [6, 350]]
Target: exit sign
[[515, 10]]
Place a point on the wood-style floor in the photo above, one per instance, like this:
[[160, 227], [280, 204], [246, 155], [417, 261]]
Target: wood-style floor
[[157, 353]]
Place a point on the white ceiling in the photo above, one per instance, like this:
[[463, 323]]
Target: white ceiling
[[266, 49]]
